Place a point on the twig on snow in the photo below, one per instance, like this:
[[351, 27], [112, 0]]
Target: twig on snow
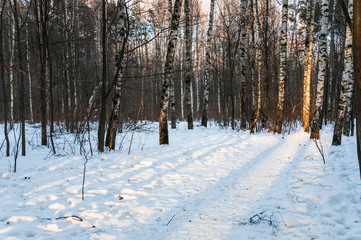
[[170, 220], [320, 149]]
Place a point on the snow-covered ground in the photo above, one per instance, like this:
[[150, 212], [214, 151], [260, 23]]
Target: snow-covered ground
[[210, 183]]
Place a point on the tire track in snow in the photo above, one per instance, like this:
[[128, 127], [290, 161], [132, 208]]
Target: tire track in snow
[[233, 196], [245, 158]]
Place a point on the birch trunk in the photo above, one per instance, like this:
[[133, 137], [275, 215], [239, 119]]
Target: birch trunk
[[350, 84], [259, 69], [171, 80], [317, 119], [283, 62], [308, 66], [114, 118], [28, 55], [168, 73], [332, 75], [244, 4], [197, 67], [346, 85], [208, 65], [11, 69]]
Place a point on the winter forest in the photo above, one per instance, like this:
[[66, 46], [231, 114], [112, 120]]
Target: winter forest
[[180, 119]]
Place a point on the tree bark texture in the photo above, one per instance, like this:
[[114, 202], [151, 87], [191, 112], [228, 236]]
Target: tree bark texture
[[283, 63], [189, 65], [308, 66], [244, 4], [322, 70], [357, 67], [114, 118], [346, 88], [168, 73], [207, 67]]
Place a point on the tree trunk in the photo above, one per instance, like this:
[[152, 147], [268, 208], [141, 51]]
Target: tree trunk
[[283, 63], [21, 72], [2, 76], [168, 73], [114, 122], [317, 119], [40, 35], [102, 117], [357, 64], [208, 65], [244, 4], [29, 75], [308, 66], [346, 88], [189, 65], [350, 78]]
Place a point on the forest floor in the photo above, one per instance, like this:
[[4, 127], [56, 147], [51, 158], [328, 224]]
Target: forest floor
[[212, 183]]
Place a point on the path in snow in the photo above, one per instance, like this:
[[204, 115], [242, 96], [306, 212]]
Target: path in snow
[[205, 185]]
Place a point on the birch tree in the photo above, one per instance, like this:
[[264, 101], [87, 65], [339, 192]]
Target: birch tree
[[168, 73], [308, 65], [283, 62], [207, 66], [121, 31], [188, 63], [346, 85], [349, 89], [257, 79], [317, 118], [244, 4]]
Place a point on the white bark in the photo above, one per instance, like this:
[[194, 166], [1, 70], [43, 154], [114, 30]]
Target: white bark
[[207, 67], [317, 120], [244, 4], [11, 69], [29, 75], [283, 63]]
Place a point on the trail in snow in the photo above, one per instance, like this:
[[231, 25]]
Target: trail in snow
[[205, 185]]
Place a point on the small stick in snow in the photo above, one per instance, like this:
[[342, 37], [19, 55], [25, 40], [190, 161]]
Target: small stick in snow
[[170, 220], [72, 216], [320, 149]]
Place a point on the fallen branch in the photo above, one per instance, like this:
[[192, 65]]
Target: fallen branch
[[320, 149], [74, 217]]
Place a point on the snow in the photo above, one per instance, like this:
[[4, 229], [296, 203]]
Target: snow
[[210, 183]]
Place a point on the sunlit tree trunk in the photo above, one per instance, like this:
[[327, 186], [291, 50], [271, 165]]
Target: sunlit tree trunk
[[207, 67], [308, 66], [168, 73], [283, 62]]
